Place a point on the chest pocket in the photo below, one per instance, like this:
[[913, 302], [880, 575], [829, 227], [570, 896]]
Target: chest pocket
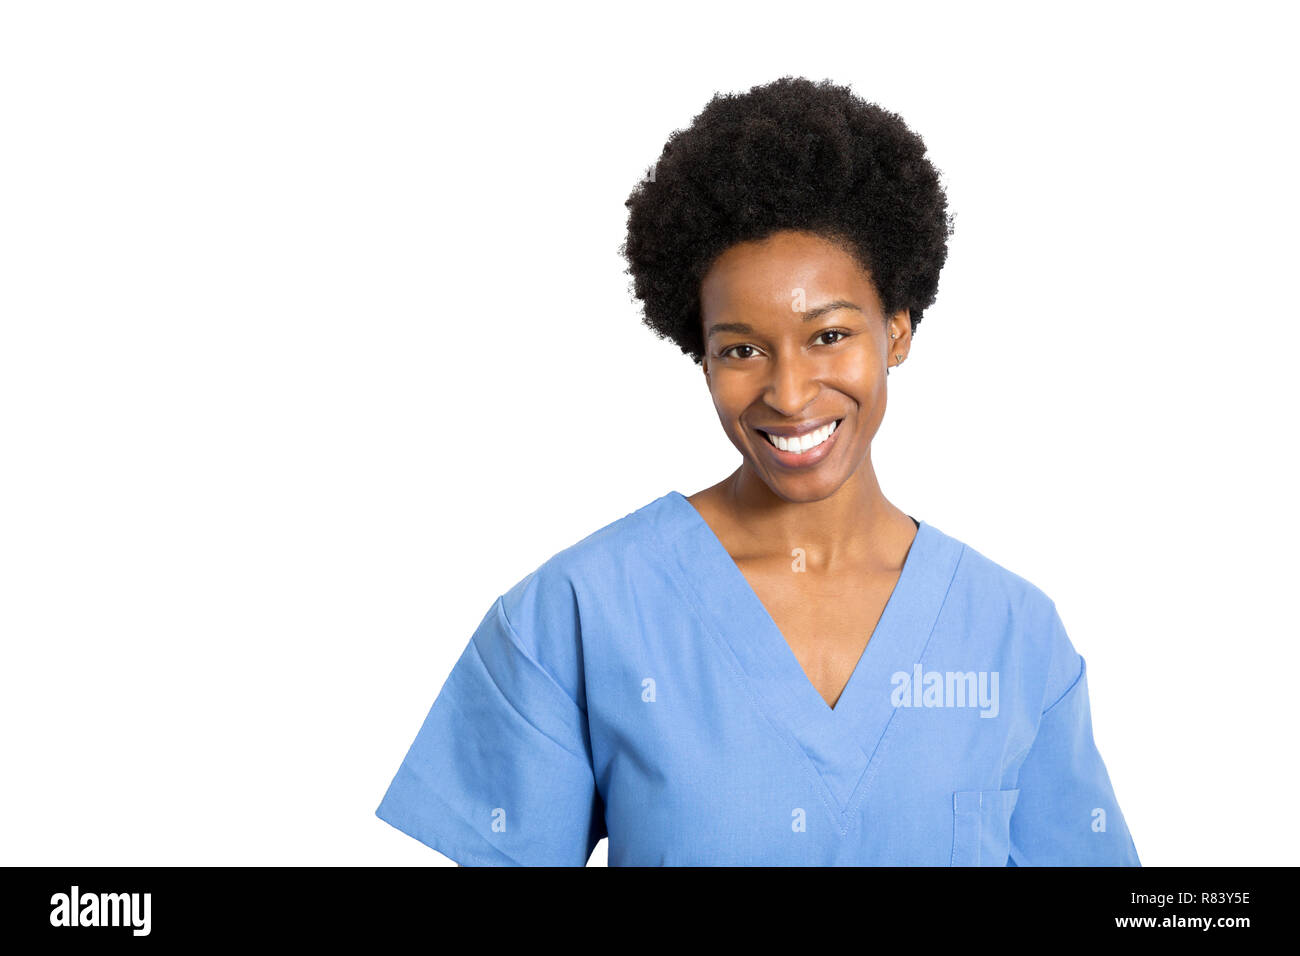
[[981, 827]]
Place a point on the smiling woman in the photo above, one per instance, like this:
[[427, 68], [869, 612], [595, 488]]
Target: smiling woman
[[785, 667]]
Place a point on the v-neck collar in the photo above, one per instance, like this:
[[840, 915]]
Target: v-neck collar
[[840, 743]]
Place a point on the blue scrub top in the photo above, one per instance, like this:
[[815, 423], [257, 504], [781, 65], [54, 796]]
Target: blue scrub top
[[634, 686]]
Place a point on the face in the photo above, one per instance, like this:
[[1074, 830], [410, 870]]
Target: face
[[795, 339]]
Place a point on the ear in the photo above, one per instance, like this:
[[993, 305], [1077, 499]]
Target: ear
[[901, 325], [900, 332]]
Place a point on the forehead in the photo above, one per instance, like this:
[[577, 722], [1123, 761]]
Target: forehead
[[764, 274]]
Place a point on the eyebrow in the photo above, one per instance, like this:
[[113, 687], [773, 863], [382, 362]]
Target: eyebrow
[[811, 315]]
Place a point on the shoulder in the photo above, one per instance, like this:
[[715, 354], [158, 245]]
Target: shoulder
[[543, 613], [555, 586], [999, 586], [1012, 605]]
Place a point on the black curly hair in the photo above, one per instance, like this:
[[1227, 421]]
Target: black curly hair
[[792, 154]]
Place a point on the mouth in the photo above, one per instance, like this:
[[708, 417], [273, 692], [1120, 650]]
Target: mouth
[[804, 450]]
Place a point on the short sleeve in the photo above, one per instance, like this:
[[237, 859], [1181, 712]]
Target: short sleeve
[[1066, 813], [500, 773]]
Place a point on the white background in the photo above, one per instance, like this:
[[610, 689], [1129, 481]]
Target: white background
[[316, 339]]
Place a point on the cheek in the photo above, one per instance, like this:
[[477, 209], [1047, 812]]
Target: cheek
[[867, 391], [729, 398], [873, 410], [861, 380]]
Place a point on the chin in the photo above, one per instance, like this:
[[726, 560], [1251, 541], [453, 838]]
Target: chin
[[800, 489]]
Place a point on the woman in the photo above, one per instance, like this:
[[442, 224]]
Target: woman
[[783, 668]]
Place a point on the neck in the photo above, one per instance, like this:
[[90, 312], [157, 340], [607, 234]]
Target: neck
[[854, 526]]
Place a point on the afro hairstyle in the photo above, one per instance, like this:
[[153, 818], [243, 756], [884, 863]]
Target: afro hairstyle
[[789, 155]]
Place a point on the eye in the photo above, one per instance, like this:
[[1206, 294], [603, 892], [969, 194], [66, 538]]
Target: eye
[[838, 332], [732, 348]]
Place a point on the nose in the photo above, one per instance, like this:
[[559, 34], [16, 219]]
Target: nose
[[792, 386]]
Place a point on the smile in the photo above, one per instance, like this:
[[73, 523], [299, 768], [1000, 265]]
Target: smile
[[804, 443]]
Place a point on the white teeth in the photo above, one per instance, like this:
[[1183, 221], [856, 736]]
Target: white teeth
[[804, 442]]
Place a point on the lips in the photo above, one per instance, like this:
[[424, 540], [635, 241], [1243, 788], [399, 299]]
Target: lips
[[801, 444], [793, 431], [794, 455]]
